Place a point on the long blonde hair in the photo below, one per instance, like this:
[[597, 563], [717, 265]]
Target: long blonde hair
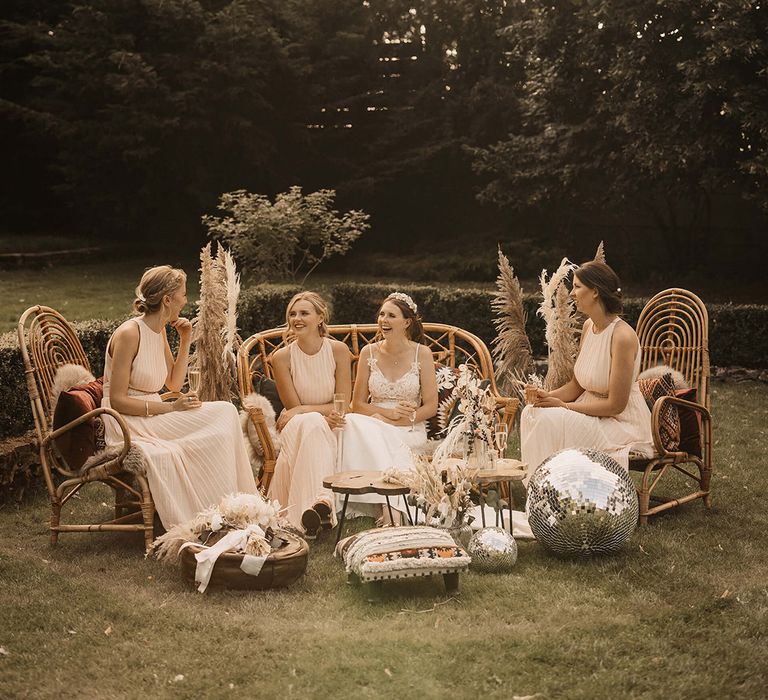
[[155, 283]]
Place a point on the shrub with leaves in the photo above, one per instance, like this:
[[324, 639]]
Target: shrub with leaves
[[289, 237]]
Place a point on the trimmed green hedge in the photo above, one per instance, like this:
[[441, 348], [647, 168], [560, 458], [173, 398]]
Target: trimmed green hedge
[[259, 308], [738, 333]]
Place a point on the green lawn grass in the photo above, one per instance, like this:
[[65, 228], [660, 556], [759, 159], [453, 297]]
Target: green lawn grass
[[681, 612]]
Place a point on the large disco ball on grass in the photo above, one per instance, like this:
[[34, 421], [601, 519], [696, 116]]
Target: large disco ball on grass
[[581, 502]]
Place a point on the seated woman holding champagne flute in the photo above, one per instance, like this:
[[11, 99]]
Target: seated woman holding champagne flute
[[193, 451], [313, 376]]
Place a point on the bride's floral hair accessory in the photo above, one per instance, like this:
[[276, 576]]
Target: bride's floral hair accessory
[[410, 303]]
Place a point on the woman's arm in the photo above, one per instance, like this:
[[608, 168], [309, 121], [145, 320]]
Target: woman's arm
[[360, 395], [570, 391], [177, 368], [123, 348]]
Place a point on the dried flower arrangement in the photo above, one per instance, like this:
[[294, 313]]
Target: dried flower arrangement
[[472, 430], [256, 519], [440, 491]]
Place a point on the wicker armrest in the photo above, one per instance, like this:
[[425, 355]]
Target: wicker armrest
[[508, 408], [102, 410], [170, 395], [658, 407]]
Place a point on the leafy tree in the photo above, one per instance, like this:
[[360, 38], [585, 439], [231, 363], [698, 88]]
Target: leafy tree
[[653, 107], [286, 238]]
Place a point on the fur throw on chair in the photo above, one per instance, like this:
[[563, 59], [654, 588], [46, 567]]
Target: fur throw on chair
[[65, 378], [134, 462], [678, 380], [252, 442]]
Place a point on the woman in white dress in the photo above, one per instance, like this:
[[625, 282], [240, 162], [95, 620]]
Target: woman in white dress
[[395, 393], [601, 407], [308, 371], [194, 451]]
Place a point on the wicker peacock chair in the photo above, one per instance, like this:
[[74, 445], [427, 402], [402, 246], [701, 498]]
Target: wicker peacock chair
[[47, 342], [673, 330]]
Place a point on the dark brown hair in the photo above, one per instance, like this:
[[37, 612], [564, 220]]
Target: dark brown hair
[[414, 331], [602, 278]]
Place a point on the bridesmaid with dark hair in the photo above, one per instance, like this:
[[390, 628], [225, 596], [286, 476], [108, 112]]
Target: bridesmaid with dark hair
[[601, 407]]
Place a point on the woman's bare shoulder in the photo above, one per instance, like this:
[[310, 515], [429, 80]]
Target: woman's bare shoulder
[[127, 330], [339, 349], [425, 354], [624, 335], [281, 355]]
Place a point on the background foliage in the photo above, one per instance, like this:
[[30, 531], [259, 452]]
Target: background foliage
[[641, 123]]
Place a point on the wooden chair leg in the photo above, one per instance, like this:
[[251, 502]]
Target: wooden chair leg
[[55, 520], [147, 512], [451, 583], [373, 591]]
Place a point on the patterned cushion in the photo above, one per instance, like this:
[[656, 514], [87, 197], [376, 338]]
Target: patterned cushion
[[400, 552], [654, 388], [76, 445], [690, 424]]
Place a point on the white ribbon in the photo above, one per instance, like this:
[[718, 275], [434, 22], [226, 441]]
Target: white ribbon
[[232, 541]]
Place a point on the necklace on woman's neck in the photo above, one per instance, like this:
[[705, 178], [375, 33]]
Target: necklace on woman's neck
[[393, 353]]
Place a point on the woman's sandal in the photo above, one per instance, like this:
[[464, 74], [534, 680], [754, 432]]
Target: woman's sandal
[[324, 511], [311, 522]]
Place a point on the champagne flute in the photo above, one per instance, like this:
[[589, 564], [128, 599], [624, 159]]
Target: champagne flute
[[339, 404], [193, 377], [501, 436]]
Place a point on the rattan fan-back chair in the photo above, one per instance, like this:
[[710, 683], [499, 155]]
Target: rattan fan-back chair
[[47, 341], [450, 345], [673, 329]]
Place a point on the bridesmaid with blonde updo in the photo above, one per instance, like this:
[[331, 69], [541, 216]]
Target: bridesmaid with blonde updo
[[194, 451]]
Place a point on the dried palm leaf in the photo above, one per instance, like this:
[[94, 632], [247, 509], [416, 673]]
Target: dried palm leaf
[[211, 324], [512, 348], [600, 254], [562, 326], [232, 287]]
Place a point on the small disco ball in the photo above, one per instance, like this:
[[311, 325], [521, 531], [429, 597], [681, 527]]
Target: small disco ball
[[493, 550], [581, 502]]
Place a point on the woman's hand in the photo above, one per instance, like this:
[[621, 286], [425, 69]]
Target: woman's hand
[[285, 415], [186, 402], [335, 420], [549, 402], [183, 327], [403, 410]]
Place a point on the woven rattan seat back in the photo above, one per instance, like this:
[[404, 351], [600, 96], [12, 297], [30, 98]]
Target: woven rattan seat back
[[673, 331], [450, 346], [47, 341]]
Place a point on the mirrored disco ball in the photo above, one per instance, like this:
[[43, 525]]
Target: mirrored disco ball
[[493, 550], [581, 502]]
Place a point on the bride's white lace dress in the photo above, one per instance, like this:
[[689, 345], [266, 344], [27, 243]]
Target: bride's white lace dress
[[371, 444]]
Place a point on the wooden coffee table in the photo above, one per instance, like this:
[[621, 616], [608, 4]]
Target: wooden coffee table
[[362, 482]]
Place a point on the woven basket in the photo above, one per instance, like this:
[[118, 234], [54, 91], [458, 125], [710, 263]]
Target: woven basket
[[281, 569]]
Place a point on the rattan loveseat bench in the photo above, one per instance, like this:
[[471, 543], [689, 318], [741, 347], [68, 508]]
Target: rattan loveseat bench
[[451, 346]]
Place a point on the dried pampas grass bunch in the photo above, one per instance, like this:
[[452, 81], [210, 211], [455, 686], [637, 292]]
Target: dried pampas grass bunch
[[216, 325], [512, 348], [562, 325]]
